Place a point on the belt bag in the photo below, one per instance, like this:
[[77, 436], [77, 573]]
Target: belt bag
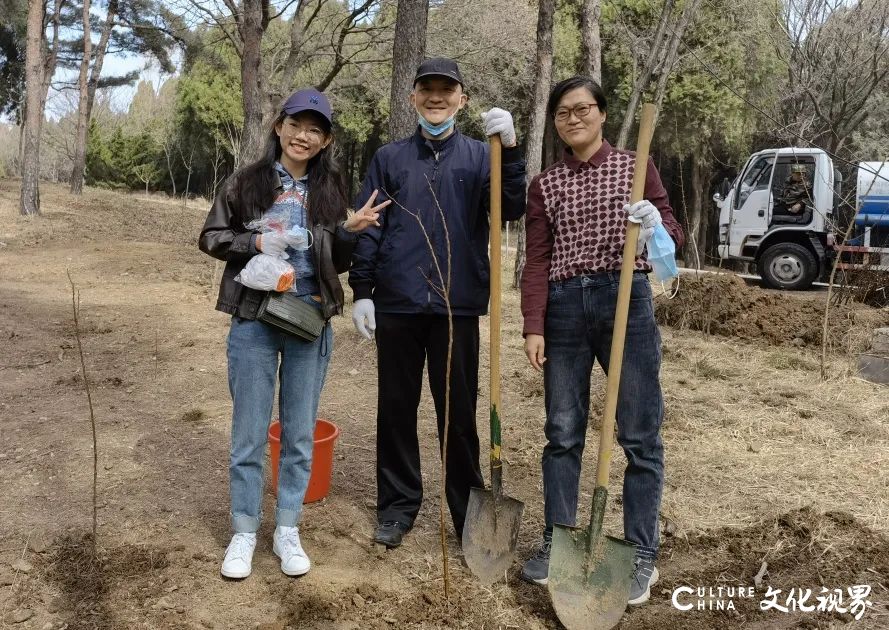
[[292, 315]]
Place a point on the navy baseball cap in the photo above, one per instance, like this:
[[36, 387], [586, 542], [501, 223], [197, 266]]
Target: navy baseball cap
[[439, 67], [308, 100]]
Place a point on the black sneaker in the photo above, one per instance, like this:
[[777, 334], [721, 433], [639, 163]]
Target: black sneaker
[[536, 568], [645, 575], [390, 533]]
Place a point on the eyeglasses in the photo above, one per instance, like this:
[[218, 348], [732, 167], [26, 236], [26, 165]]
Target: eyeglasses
[[580, 110], [313, 133]]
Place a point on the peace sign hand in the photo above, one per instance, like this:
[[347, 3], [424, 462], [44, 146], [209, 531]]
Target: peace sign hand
[[368, 215]]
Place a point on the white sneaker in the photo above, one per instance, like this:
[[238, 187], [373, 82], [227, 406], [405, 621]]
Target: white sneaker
[[238, 561], [294, 560]]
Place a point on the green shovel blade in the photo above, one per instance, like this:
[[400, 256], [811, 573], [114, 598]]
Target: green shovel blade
[[589, 580]]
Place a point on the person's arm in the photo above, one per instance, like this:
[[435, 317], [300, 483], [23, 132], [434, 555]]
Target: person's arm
[[513, 193], [218, 237], [344, 243], [346, 233], [362, 275], [538, 259], [657, 195]]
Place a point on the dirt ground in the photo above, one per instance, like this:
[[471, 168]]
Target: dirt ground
[[772, 474]]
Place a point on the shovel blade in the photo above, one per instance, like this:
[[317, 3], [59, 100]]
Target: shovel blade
[[589, 580], [490, 533]]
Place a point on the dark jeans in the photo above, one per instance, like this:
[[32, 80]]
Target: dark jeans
[[579, 325], [404, 343]]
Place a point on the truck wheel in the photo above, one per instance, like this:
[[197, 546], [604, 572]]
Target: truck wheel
[[788, 266]]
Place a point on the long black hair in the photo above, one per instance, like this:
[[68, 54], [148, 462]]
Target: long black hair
[[327, 200]]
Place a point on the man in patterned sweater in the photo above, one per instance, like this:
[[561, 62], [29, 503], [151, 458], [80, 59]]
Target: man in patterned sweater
[[576, 228]]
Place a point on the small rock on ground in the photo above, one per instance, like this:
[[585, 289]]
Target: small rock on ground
[[21, 615]]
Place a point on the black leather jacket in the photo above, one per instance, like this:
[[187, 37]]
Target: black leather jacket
[[225, 237]]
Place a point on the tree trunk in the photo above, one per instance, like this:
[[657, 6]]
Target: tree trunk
[[34, 68], [590, 40], [189, 167], [700, 179], [408, 51], [168, 150], [688, 15], [642, 81], [88, 92], [82, 122], [252, 26], [690, 215], [49, 61], [543, 70]]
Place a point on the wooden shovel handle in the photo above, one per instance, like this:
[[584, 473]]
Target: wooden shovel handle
[[496, 186], [646, 128]]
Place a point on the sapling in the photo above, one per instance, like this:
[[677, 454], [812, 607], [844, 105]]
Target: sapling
[[75, 306], [443, 289]]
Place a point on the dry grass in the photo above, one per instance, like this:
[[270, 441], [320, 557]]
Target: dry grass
[[767, 433], [751, 434], [750, 429]]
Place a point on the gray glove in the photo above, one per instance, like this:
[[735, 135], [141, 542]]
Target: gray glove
[[361, 310], [644, 213]]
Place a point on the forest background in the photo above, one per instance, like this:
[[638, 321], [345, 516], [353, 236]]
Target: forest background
[[729, 76]]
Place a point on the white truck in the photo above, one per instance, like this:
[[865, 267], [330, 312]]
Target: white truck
[[791, 238]]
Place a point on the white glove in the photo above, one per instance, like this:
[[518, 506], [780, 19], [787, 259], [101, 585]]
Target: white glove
[[273, 244], [361, 310], [498, 120], [644, 213]]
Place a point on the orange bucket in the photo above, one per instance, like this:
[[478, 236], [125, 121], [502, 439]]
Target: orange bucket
[[326, 433]]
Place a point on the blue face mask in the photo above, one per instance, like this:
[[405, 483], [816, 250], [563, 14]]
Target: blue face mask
[[662, 254], [436, 130], [299, 238]]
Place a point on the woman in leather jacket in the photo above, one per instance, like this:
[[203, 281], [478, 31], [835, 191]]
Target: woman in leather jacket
[[297, 178]]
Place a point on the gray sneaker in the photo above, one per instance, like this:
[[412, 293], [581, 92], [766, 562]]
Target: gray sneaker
[[645, 575], [536, 568]]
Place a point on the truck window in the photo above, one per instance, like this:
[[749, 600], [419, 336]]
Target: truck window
[[792, 189], [756, 178]]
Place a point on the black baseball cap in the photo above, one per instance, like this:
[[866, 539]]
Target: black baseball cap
[[308, 100], [439, 67]]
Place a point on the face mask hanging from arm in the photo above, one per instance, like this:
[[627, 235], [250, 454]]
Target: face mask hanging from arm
[[662, 254]]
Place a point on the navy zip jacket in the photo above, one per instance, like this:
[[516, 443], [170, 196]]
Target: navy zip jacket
[[393, 263]]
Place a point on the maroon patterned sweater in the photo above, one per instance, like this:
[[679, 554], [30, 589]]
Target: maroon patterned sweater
[[575, 223]]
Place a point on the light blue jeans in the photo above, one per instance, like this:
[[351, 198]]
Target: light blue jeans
[[258, 355]]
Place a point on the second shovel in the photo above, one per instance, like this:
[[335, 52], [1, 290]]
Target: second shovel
[[492, 518]]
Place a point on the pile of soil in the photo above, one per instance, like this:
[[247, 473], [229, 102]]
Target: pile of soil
[[90, 584], [802, 549], [724, 305]]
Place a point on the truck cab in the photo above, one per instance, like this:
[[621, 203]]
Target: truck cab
[[777, 213]]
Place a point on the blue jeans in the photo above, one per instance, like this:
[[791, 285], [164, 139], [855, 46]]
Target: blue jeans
[[254, 351], [578, 329]]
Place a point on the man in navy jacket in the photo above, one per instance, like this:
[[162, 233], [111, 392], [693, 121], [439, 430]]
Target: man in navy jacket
[[435, 173]]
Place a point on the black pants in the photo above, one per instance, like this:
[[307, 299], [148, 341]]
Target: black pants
[[404, 342]]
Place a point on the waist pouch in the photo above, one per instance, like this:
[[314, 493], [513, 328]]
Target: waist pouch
[[292, 315]]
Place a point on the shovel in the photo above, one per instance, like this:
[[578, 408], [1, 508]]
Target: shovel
[[492, 518], [590, 573]]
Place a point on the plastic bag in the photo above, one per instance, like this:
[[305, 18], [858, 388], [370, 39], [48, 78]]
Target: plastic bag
[[662, 254], [298, 238], [267, 273]]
